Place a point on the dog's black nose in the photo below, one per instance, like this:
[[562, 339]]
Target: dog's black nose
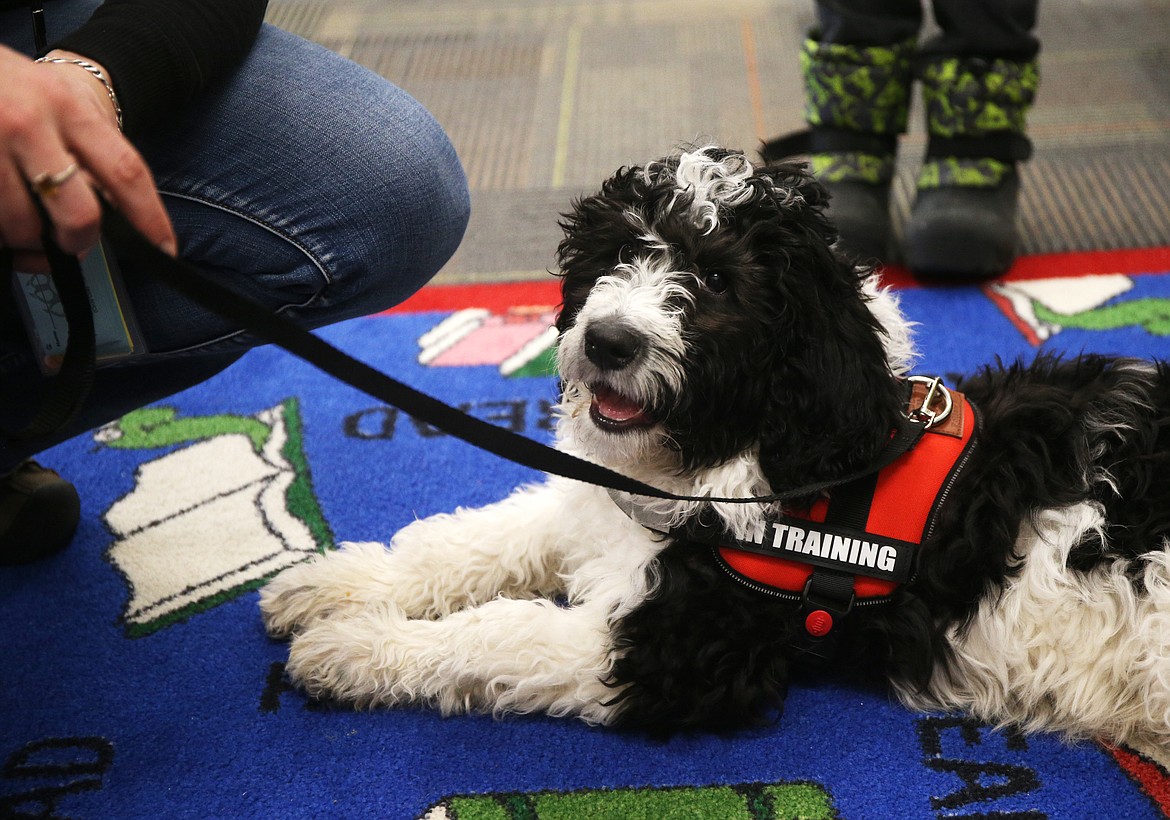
[[612, 345]]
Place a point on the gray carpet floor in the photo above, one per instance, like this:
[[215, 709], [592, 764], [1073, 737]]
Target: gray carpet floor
[[545, 98]]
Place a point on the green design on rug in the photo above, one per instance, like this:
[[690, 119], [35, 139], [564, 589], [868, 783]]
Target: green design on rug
[[780, 801], [153, 427], [1151, 314]]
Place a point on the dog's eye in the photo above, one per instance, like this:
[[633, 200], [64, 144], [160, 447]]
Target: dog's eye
[[715, 282]]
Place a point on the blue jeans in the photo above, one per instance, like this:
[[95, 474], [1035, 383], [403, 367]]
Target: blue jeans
[[312, 185]]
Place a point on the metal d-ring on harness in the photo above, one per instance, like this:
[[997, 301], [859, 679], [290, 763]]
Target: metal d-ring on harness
[[828, 596], [828, 584], [923, 412]]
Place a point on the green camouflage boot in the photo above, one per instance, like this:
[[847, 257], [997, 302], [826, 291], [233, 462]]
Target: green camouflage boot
[[856, 104], [963, 223]]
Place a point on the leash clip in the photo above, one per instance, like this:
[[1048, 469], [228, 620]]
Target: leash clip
[[935, 390]]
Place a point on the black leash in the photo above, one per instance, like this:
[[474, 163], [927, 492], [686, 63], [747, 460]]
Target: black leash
[[276, 329]]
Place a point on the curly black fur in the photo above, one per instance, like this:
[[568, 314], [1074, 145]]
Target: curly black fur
[[703, 652], [820, 404], [1063, 431], [795, 357]]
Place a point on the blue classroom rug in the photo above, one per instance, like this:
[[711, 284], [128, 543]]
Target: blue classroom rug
[[137, 681]]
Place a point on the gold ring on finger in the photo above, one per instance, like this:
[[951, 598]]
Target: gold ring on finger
[[47, 185]]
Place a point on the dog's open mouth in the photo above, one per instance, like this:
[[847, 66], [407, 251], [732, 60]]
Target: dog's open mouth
[[611, 410]]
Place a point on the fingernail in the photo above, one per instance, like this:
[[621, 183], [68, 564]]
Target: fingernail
[[169, 247]]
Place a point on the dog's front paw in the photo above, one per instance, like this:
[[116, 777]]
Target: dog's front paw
[[354, 659], [308, 592]]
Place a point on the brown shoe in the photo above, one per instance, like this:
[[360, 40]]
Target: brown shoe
[[39, 512]]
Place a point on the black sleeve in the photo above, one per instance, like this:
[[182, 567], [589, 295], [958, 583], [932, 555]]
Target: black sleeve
[[162, 53]]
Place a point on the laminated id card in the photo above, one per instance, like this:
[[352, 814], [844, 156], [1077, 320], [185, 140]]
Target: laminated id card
[[115, 331]]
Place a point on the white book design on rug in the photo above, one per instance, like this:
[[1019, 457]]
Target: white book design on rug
[[208, 521]]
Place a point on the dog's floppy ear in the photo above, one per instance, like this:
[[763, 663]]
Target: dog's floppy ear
[[799, 195], [595, 232], [833, 399]]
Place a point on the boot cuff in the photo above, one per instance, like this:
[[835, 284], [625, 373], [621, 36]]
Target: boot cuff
[[969, 97], [858, 88]]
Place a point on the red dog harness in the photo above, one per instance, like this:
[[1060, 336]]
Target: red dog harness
[[858, 543]]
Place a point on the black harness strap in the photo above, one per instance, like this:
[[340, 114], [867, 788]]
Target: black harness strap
[[830, 591]]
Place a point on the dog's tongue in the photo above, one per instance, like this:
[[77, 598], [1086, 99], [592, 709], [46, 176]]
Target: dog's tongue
[[616, 407]]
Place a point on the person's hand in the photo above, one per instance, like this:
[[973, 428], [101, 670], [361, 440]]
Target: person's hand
[[54, 117]]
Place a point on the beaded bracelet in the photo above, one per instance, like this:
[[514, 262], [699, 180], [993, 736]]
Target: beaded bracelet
[[96, 72]]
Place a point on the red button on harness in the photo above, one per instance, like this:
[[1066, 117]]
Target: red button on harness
[[818, 623]]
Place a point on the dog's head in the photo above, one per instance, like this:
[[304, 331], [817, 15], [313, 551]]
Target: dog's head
[[707, 319]]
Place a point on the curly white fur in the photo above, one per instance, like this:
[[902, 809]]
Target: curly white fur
[[1062, 650], [459, 611], [511, 607]]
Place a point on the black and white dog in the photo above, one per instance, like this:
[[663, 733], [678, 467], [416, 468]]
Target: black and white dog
[[712, 343]]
